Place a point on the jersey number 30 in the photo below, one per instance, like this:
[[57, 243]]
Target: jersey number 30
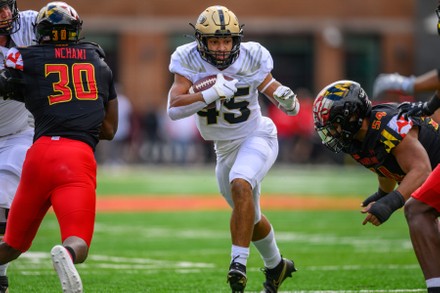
[[81, 79]]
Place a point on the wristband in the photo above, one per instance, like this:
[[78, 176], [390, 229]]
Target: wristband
[[408, 84], [433, 104], [294, 111], [209, 95], [267, 85]]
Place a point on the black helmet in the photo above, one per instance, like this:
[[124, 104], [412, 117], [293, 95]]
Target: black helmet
[[338, 112], [218, 22], [10, 26], [57, 22]]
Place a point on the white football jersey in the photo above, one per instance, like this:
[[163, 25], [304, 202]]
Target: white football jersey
[[240, 116], [13, 115]]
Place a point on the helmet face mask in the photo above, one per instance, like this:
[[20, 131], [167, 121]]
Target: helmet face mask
[[332, 137], [12, 25], [338, 112], [56, 23], [218, 22]]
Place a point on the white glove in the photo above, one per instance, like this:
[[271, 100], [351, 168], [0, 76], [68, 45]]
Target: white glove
[[287, 100], [393, 83], [222, 89]]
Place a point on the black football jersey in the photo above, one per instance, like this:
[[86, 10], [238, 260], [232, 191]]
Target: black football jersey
[[385, 132], [66, 89]]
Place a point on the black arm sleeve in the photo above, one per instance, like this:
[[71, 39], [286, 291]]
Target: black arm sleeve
[[11, 85], [433, 103]]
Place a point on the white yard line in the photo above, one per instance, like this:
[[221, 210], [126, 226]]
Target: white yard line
[[41, 263]]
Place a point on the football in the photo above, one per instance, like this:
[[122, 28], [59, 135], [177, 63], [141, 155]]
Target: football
[[204, 84]]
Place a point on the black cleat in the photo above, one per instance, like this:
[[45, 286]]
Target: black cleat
[[276, 276], [237, 277], [4, 284]]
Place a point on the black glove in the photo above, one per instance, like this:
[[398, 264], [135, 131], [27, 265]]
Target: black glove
[[11, 85], [418, 109], [374, 197], [384, 207]]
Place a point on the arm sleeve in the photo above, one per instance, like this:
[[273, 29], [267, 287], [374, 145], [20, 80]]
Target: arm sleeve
[[176, 113]]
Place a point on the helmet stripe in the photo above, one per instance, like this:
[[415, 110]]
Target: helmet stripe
[[221, 16]]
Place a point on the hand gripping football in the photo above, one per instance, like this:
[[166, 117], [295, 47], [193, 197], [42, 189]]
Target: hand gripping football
[[204, 84]]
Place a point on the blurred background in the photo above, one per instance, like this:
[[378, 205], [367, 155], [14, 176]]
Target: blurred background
[[312, 43]]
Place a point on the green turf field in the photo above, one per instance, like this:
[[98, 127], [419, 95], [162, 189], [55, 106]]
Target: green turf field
[[189, 251]]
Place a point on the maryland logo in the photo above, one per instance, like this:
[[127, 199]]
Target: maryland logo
[[396, 131], [338, 91], [389, 140]]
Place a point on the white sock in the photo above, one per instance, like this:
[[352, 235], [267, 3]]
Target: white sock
[[239, 254], [269, 250], [434, 282]]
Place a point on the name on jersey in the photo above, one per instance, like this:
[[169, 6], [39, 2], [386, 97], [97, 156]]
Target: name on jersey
[[70, 53]]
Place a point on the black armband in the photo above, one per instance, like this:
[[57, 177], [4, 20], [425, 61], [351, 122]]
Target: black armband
[[433, 103]]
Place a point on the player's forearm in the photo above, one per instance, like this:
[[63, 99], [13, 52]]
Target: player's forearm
[[433, 103], [413, 180], [429, 81], [110, 123], [385, 184], [176, 113]]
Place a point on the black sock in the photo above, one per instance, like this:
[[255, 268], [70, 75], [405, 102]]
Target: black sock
[[72, 252]]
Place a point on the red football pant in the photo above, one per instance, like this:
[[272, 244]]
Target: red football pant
[[429, 192], [57, 172]]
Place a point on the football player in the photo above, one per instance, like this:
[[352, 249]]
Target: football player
[[16, 123], [409, 85], [401, 150], [245, 142], [68, 88]]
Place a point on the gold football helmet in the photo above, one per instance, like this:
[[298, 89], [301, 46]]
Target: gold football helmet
[[219, 22]]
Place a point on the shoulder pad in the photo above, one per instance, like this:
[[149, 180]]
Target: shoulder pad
[[96, 46]]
